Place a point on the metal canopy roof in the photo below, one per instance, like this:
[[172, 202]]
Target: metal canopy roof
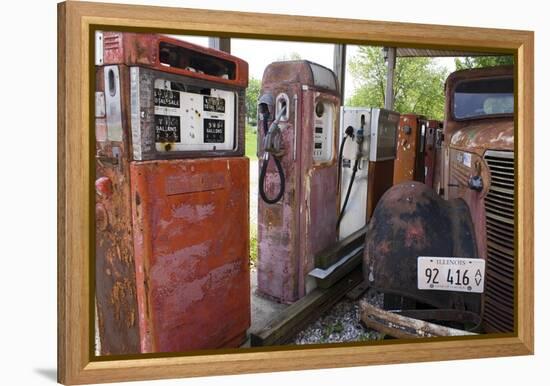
[[414, 52]]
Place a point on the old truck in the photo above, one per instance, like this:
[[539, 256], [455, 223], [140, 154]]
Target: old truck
[[448, 248]]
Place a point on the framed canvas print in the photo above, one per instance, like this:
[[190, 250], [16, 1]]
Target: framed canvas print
[[236, 196]]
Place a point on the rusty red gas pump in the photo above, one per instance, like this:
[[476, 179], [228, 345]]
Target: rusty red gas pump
[[438, 162], [431, 148], [298, 205], [171, 196], [409, 160]]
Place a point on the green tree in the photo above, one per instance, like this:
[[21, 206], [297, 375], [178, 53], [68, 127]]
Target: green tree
[[418, 83], [252, 95], [483, 61]]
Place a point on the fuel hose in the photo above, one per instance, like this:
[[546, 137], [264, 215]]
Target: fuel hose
[[263, 171], [339, 172], [349, 133], [341, 216]]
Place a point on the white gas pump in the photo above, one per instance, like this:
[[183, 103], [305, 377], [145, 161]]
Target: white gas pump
[[367, 139]]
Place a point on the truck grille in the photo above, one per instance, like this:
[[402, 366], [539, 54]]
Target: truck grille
[[499, 207]]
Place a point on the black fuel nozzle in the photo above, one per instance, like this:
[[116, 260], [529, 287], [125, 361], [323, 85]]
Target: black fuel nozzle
[[349, 131], [263, 110], [265, 117], [272, 143], [272, 146], [359, 139]]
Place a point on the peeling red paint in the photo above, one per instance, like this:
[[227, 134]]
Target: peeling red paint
[[409, 161], [172, 239], [415, 235], [189, 280], [114, 264], [472, 138], [143, 49], [430, 149], [104, 187], [476, 136], [303, 223]]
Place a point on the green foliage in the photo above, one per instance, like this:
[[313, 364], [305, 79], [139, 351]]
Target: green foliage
[[252, 96], [253, 257], [250, 139], [336, 327], [483, 61], [418, 83]]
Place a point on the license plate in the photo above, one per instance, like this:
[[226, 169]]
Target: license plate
[[451, 274]]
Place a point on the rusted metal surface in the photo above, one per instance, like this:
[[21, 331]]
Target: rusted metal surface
[[172, 238], [467, 143], [430, 151], [171, 55], [479, 135], [380, 179], [464, 166], [299, 72], [411, 220], [498, 310], [114, 264], [278, 224], [289, 232], [409, 160], [403, 327], [439, 154], [191, 246]]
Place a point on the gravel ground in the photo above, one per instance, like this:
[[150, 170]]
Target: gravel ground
[[342, 323]]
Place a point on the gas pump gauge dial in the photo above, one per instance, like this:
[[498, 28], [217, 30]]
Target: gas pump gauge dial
[[323, 132], [319, 109]]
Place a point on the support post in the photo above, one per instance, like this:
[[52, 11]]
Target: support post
[[389, 53], [339, 66], [222, 44]]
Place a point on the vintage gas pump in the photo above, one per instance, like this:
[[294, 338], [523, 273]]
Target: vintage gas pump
[[172, 196], [439, 161], [409, 161], [431, 148], [367, 152], [297, 209]]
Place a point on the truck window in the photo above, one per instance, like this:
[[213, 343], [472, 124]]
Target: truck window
[[478, 98]]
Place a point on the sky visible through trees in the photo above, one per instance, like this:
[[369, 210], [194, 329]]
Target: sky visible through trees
[[418, 83]]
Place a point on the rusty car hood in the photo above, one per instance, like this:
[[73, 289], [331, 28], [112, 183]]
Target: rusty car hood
[[479, 136]]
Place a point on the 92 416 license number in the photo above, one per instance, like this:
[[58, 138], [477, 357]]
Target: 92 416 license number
[[451, 274]]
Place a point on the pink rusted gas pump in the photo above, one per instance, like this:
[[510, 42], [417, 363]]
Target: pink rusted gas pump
[[297, 212]]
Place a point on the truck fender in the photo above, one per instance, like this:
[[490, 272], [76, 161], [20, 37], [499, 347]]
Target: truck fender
[[409, 221]]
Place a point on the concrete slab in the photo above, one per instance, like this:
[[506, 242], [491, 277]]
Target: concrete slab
[[262, 310]]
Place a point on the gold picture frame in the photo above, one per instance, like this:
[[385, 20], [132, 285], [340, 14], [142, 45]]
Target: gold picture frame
[[76, 23]]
